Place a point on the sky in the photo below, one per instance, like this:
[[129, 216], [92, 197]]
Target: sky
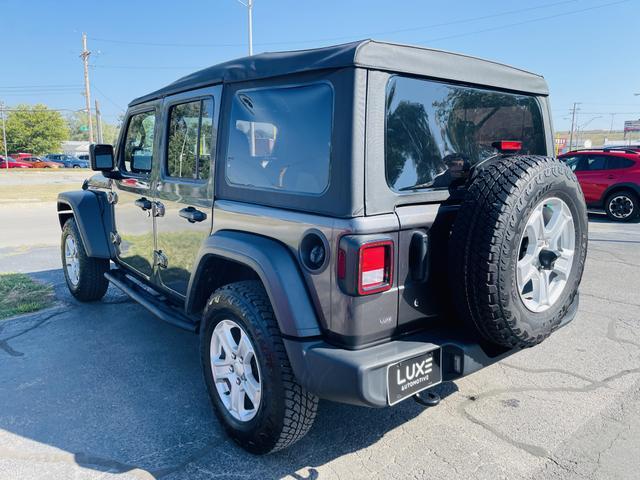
[[586, 49]]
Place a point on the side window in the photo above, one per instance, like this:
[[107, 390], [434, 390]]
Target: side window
[[575, 163], [138, 146], [596, 162], [280, 138], [618, 162], [190, 141]]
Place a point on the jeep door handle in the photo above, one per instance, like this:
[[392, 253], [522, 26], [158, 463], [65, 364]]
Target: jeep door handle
[[192, 215], [143, 203]]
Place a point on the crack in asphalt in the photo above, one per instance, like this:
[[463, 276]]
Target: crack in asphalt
[[536, 450], [80, 459], [610, 300], [4, 342], [549, 370], [623, 261]]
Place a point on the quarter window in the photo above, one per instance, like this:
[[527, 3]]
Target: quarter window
[[190, 140], [619, 162], [280, 138], [138, 146]]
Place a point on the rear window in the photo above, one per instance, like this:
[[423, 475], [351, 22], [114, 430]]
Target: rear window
[[280, 138], [435, 131]]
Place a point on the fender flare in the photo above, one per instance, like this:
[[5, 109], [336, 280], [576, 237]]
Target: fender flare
[[94, 218], [277, 270], [634, 187]]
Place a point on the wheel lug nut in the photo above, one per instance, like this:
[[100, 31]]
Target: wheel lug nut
[[233, 356], [238, 381], [231, 368]]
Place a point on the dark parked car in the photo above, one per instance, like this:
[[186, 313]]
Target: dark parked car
[[356, 223], [610, 180], [69, 161]]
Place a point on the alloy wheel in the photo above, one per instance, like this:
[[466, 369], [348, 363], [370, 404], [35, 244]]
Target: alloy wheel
[[546, 254], [621, 206], [72, 262], [235, 370]]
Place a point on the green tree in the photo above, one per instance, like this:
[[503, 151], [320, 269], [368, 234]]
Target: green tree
[[35, 129], [78, 124]]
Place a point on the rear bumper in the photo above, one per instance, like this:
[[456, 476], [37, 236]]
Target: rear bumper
[[359, 377]]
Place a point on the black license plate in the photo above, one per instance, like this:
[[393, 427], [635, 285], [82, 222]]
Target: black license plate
[[411, 376]]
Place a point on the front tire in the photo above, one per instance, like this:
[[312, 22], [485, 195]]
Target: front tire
[[622, 206], [84, 274], [247, 372]]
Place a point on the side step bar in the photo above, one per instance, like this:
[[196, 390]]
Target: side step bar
[[154, 303]]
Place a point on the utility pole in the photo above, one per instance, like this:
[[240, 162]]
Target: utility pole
[[98, 122], [4, 137], [573, 124], [87, 92], [250, 11], [249, 5]]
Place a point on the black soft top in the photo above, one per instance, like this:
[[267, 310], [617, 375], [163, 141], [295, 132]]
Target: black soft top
[[367, 54]]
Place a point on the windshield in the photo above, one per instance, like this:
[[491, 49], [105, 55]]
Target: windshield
[[436, 131]]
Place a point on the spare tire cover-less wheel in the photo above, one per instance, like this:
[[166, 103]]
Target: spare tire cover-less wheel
[[518, 248]]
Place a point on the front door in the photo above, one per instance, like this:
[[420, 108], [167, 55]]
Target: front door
[[134, 223], [184, 191]]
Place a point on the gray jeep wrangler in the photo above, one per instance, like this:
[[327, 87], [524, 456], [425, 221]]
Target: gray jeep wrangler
[[356, 223]]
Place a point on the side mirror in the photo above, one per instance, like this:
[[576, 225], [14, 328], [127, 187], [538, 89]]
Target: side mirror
[[101, 157], [141, 161]]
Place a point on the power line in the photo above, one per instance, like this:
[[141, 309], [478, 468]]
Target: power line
[[533, 20], [37, 86], [27, 94], [112, 102], [345, 37], [146, 67]]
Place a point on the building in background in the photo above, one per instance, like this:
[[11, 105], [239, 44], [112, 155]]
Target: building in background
[[75, 148]]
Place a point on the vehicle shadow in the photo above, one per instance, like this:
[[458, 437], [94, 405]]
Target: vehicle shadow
[[601, 217], [107, 387]]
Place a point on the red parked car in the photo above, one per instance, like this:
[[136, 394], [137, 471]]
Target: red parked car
[[20, 155], [13, 163], [610, 180]]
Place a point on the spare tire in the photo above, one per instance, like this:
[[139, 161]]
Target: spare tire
[[517, 249]]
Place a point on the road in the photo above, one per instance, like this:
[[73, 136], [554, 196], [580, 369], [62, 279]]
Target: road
[[105, 390]]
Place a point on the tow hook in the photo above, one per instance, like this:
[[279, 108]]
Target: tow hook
[[427, 398]]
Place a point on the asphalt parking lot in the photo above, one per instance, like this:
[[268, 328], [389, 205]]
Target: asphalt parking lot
[[107, 391]]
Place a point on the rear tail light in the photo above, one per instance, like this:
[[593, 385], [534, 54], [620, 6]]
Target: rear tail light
[[364, 264], [375, 267], [507, 145]]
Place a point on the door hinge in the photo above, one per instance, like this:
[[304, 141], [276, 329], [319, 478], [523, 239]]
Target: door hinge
[[115, 239], [160, 259], [112, 197], [158, 209]]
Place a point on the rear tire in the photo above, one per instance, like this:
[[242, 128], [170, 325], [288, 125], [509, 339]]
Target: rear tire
[[622, 206], [285, 411], [84, 274], [518, 248]]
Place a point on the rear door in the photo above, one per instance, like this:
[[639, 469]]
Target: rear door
[[593, 177], [184, 190]]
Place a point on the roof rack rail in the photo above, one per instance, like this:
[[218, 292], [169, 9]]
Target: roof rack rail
[[604, 149]]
